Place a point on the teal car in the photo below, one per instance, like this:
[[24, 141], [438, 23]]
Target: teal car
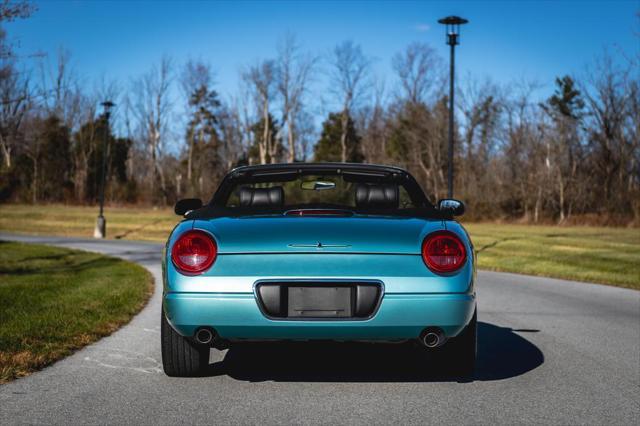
[[326, 251]]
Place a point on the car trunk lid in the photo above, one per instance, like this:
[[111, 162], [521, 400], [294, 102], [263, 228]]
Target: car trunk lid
[[295, 234]]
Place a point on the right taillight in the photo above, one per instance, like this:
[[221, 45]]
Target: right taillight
[[442, 251]]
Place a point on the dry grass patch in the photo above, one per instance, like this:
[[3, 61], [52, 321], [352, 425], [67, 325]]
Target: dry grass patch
[[130, 223]]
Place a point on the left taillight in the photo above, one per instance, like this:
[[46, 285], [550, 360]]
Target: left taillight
[[194, 252]]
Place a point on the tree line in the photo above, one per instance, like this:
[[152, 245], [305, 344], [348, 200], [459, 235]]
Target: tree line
[[571, 154]]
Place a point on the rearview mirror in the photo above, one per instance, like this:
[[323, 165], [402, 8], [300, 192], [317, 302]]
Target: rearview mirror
[[186, 205], [451, 206], [317, 185]]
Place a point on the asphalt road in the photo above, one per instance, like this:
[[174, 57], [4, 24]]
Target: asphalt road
[[550, 351]]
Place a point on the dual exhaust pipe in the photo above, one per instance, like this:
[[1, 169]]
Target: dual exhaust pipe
[[432, 337]]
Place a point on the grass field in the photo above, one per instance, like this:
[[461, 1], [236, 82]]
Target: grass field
[[602, 255], [56, 300], [75, 221]]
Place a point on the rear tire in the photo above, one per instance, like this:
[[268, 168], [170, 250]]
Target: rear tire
[[461, 350], [181, 357]]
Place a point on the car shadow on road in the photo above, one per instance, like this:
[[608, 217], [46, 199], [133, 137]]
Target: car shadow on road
[[502, 353]]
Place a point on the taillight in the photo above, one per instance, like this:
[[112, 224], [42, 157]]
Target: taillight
[[442, 251], [194, 252]]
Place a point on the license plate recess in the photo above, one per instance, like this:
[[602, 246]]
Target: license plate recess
[[319, 300]]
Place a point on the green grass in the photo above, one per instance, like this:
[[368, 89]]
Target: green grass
[[600, 255], [595, 254], [56, 300]]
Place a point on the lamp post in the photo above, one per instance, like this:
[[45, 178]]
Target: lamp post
[[452, 25], [101, 223]]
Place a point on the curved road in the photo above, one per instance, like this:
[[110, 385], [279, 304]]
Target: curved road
[[550, 351]]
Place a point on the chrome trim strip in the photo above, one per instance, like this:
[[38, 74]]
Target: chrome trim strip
[[319, 245]]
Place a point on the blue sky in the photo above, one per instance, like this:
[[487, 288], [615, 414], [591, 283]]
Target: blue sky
[[505, 40]]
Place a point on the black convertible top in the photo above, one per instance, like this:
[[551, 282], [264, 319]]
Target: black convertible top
[[290, 171], [354, 172]]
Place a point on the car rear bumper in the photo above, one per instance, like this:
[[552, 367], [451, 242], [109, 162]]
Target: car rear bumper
[[237, 316]]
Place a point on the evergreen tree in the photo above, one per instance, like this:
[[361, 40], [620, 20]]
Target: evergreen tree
[[566, 100], [203, 159], [329, 147]]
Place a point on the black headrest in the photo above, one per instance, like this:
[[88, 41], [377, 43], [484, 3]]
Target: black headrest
[[383, 196], [261, 197]]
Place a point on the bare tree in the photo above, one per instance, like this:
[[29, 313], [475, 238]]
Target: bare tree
[[372, 124], [59, 79], [15, 86], [633, 130], [243, 109], [12, 9], [293, 72], [262, 82], [481, 106], [15, 102], [153, 109], [349, 77], [59, 90], [609, 100], [418, 139], [525, 153], [305, 134], [419, 69]]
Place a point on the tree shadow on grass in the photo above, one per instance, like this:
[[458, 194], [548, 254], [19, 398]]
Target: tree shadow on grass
[[137, 229], [502, 354], [495, 243]]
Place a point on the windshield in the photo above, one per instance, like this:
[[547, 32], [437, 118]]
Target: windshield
[[320, 191]]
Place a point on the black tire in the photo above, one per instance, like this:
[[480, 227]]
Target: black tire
[[181, 357], [461, 350]]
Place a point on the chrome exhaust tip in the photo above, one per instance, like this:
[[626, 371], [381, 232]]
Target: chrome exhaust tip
[[432, 338], [204, 336]]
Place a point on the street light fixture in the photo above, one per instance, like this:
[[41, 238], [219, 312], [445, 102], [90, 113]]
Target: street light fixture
[[101, 223], [452, 25]]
